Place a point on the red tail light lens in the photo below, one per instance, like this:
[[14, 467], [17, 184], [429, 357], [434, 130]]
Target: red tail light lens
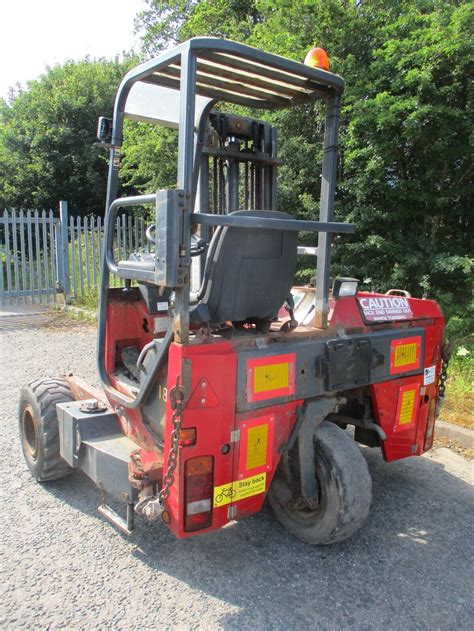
[[198, 491]]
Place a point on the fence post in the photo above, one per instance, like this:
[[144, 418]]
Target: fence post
[[62, 249]]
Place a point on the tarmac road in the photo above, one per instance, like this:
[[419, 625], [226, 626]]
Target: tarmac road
[[64, 567]]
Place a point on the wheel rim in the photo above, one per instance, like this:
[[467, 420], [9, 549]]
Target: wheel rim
[[307, 515], [30, 436]]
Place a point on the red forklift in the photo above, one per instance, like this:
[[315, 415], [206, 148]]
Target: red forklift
[[222, 385]]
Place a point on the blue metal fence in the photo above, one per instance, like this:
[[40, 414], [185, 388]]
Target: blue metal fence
[[42, 255]]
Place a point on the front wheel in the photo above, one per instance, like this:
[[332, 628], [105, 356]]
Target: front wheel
[[39, 430], [345, 490]]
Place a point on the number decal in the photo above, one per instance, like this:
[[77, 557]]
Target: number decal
[[163, 393]]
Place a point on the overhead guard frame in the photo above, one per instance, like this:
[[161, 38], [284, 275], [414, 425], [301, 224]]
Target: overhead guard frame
[[218, 69]]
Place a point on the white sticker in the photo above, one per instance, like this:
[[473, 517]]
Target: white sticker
[[162, 324], [385, 308], [162, 306], [429, 375]]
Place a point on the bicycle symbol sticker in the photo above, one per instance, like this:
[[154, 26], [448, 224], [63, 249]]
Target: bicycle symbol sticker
[[226, 493], [239, 489]]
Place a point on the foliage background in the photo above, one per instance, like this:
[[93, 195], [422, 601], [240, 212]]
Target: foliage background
[[406, 141]]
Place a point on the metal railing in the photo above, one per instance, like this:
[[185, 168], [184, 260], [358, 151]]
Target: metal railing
[[42, 254]]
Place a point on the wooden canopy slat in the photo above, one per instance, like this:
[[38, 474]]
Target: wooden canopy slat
[[269, 86], [207, 81], [218, 95], [268, 73]]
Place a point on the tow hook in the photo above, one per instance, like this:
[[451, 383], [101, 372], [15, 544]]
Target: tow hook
[[150, 507], [153, 509]]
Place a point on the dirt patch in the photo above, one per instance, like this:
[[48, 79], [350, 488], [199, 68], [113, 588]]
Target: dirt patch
[[444, 441], [459, 410]]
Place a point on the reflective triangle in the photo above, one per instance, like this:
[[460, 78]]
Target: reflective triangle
[[203, 396]]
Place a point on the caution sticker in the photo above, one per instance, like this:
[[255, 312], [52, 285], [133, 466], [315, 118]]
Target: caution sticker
[[385, 308], [239, 489]]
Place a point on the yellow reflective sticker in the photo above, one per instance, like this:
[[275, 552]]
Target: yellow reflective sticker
[[405, 354], [406, 407], [271, 377], [257, 439], [239, 489]]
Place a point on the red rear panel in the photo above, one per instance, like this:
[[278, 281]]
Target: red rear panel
[[402, 405], [261, 434], [210, 410], [244, 447]]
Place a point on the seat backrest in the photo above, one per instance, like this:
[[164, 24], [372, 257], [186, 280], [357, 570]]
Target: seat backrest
[[248, 272]]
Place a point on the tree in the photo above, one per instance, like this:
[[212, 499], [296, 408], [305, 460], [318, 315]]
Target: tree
[[167, 22], [405, 169], [47, 136], [408, 159]]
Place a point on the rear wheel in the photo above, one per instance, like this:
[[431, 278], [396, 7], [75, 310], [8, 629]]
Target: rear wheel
[[39, 430], [345, 490]]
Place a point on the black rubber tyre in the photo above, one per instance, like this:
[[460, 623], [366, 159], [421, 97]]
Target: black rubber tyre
[[39, 431], [345, 490]]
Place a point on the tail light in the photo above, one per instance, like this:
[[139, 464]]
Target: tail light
[[430, 425], [198, 491], [187, 436]]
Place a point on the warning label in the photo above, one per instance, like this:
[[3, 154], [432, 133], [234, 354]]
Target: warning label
[[271, 377], [239, 489], [257, 440], [385, 308], [429, 375]]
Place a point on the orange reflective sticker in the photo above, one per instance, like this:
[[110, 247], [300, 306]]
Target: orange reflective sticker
[[405, 354], [270, 377], [407, 406]]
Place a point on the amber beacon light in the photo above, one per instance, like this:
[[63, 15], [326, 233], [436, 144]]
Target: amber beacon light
[[317, 58]]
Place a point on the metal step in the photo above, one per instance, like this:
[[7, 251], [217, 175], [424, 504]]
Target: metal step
[[125, 525]]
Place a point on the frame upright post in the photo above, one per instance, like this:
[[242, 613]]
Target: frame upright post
[[62, 250], [326, 213], [185, 182]]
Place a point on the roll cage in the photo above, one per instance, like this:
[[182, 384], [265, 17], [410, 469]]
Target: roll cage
[[179, 89]]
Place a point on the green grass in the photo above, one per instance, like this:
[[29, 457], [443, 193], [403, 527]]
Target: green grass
[[87, 295], [458, 407], [89, 299]]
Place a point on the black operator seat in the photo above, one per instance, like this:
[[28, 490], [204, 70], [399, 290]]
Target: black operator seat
[[248, 272]]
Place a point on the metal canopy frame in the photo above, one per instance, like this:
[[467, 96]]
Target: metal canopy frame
[[225, 77], [234, 73], [221, 70]]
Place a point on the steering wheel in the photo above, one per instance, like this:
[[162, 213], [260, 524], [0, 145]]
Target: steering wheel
[[198, 245]]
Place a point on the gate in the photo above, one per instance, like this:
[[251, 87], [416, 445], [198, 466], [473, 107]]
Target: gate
[[42, 255], [28, 257]]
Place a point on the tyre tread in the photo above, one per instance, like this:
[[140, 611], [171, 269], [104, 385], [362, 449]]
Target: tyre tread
[[354, 489], [46, 394]]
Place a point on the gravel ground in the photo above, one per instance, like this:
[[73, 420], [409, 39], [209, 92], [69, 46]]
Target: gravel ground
[[64, 567]]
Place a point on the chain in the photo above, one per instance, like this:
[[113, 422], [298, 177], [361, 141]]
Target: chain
[[443, 375], [177, 404]]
